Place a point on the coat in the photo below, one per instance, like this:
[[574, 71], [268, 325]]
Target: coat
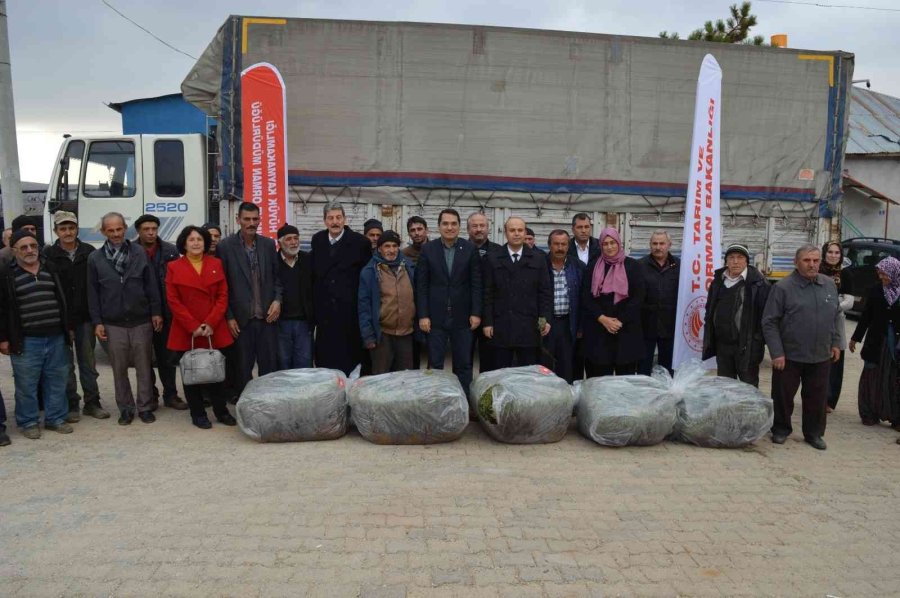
[[195, 299], [661, 301], [370, 299], [627, 346], [165, 252], [74, 278], [10, 321], [873, 324], [436, 288], [574, 273], [593, 249], [751, 343], [335, 270], [128, 300], [237, 275], [515, 296]]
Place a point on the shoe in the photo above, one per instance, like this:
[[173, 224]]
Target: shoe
[[869, 422], [126, 418], [4, 439], [779, 437], [147, 417], [32, 433], [7, 440], [226, 419], [232, 400], [202, 422], [176, 403], [73, 417], [816, 443], [829, 409], [62, 428], [95, 410]]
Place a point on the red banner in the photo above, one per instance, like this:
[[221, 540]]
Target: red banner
[[263, 107]]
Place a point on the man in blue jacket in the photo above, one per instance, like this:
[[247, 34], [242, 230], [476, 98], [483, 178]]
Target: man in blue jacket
[[566, 273], [448, 298]]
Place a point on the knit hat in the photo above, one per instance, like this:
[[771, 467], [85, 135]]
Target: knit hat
[[372, 223], [389, 236], [19, 235], [24, 220], [62, 217], [287, 229], [738, 248], [145, 218]]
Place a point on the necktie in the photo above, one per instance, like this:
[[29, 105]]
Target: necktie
[[515, 258]]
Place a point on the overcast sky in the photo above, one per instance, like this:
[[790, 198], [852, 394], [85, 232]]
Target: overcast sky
[[69, 58]]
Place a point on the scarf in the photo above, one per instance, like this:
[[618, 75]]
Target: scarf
[[394, 265], [118, 257], [615, 281], [891, 267], [827, 269]]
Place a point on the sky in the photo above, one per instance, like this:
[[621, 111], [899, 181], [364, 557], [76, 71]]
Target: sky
[[71, 58]]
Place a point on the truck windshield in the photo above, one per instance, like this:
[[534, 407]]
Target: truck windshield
[[110, 169]]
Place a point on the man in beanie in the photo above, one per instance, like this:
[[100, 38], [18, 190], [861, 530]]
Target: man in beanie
[[159, 254], [70, 258], [34, 331], [295, 324], [21, 222], [387, 308], [373, 229], [734, 309]]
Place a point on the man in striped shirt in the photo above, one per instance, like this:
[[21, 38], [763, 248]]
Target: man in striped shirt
[[34, 332]]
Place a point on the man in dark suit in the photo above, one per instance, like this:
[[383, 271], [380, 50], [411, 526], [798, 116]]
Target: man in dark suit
[[448, 298], [518, 299], [338, 256], [254, 295], [478, 227], [583, 247]]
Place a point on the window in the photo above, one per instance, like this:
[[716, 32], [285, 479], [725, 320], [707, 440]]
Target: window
[[110, 170], [168, 160], [70, 175]]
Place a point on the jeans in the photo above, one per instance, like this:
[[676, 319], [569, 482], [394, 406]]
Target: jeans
[[559, 348], [85, 342], [665, 346], [43, 362], [461, 345], [294, 344]]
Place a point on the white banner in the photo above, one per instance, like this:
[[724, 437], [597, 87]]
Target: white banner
[[701, 252]]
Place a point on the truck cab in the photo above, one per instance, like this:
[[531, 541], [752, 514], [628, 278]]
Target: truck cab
[[163, 175]]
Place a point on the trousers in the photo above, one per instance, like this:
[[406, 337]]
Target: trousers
[[127, 346], [812, 380]]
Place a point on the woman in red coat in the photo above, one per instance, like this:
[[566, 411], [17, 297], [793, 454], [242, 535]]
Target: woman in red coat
[[198, 297]]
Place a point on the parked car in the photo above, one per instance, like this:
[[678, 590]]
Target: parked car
[[861, 255]]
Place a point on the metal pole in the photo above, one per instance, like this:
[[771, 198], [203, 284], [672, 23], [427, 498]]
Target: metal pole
[[9, 150]]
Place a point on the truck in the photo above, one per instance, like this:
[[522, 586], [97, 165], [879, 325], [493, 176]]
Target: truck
[[398, 119]]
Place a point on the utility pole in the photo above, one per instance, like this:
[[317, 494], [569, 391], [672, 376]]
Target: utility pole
[[11, 183]]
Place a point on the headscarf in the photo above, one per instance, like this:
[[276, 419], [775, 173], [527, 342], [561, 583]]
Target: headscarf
[[615, 281], [829, 270], [891, 267]]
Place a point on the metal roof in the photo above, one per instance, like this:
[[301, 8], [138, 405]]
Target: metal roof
[[874, 123]]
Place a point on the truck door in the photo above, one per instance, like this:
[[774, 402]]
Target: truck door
[[174, 182], [111, 183]]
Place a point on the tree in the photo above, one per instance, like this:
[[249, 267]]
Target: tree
[[733, 30]]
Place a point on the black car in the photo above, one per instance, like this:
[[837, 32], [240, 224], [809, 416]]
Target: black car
[[860, 256]]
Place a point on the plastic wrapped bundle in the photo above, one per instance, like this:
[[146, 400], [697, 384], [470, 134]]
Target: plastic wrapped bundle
[[524, 405], [626, 410], [294, 405], [718, 412], [411, 407]]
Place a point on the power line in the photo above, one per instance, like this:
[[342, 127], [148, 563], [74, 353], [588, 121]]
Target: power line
[[820, 5], [147, 31]]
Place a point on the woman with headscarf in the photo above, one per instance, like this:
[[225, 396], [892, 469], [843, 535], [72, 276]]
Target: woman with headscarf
[[879, 384], [611, 296], [832, 263]]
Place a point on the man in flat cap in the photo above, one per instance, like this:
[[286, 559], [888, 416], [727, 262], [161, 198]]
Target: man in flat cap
[[373, 229], [295, 324]]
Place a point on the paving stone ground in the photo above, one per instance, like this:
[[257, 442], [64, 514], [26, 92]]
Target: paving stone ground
[[170, 510]]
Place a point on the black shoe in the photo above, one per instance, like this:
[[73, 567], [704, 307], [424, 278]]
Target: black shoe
[[176, 403], [816, 443], [147, 417], [125, 418], [202, 421], [4, 439], [226, 419], [779, 437]]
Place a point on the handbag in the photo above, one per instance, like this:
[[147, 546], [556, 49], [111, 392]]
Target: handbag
[[202, 366]]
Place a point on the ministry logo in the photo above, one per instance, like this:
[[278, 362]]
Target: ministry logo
[[692, 324]]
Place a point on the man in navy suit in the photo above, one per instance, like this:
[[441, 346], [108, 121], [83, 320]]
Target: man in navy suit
[[448, 298], [583, 247], [254, 295]]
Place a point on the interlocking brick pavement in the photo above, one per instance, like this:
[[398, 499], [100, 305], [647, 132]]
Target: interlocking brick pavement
[[170, 510]]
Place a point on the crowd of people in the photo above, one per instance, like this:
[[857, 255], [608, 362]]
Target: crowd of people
[[583, 308]]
